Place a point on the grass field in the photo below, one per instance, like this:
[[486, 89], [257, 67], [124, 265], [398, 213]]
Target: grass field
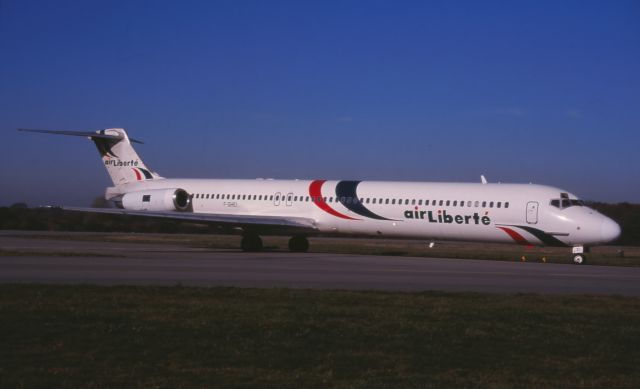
[[85, 336], [602, 255]]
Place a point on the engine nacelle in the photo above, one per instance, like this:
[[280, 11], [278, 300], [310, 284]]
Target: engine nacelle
[[157, 200]]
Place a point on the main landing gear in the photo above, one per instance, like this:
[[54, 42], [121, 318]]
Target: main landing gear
[[253, 242], [579, 257], [298, 244]]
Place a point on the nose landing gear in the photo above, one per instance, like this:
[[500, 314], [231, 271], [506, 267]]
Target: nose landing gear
[[579, 258]]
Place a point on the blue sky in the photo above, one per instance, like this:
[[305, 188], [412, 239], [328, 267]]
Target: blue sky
[[544, 92]]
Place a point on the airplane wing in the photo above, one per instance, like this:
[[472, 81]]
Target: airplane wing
[[270, 224]]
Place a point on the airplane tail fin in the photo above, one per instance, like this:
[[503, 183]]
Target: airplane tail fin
[[118, 156]]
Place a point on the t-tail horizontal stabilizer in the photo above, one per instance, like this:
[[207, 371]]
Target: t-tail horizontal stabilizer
[[118, 156], [88, 134]]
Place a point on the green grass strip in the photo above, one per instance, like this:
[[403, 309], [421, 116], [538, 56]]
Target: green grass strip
[[89, 336]]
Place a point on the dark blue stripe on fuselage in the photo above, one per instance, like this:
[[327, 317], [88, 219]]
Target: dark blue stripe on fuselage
[[547, 239], [346, 193]]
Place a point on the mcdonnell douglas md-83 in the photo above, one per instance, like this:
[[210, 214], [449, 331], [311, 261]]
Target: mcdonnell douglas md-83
[[518, 213]]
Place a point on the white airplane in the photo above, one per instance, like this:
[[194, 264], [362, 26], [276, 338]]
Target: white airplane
[[503, 213]]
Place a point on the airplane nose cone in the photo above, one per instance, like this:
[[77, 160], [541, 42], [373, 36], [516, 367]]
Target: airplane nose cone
[[609, 230]]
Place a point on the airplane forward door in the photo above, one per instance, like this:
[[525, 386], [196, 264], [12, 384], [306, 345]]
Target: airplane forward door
[[532, 212]]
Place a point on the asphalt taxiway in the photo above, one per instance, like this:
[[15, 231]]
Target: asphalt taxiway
[[55, 261]]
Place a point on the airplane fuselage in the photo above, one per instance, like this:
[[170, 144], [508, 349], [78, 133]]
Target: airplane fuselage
[[507, 213]]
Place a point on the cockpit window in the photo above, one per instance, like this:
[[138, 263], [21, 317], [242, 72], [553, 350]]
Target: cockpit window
[[566, 203]]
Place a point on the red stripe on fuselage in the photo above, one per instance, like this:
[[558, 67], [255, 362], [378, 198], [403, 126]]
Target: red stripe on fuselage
[[315, 191], [515, 236], [138, 176]]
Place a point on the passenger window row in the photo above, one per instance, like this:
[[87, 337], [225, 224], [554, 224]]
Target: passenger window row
[[355, 200]]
